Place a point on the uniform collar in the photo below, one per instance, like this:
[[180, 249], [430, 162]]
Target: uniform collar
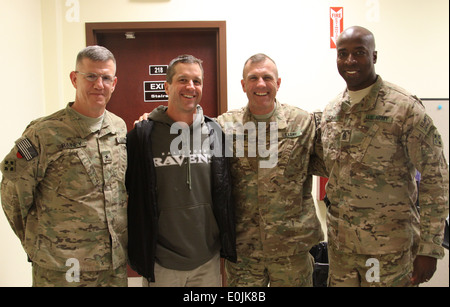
[[366, 104], [278, 116], [83, 129]]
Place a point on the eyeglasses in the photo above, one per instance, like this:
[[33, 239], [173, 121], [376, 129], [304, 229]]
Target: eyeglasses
[[92, 77]]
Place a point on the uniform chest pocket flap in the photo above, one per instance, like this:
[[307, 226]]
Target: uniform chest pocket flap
[[78, 174], [292, 148], [365, 143]]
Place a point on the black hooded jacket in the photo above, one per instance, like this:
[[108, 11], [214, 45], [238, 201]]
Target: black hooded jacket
[[142, 200]]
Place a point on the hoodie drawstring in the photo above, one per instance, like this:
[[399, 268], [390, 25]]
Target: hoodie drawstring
[[189, 177]]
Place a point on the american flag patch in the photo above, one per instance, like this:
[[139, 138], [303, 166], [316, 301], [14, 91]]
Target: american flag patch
[[26, 149]]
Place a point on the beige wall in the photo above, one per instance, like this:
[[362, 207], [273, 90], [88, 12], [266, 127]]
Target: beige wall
[[22, 99], [42, 37]]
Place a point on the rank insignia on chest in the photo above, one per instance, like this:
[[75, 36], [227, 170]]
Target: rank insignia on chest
[[107, 157], [345, 136]]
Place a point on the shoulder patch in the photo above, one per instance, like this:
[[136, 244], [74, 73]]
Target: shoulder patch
[[437, 139], [9, 166], [26, 149], [425, 124]]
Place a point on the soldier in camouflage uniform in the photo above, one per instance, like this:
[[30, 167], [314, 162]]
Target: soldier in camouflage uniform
[[63, 188], [276, 222], [375, 135]]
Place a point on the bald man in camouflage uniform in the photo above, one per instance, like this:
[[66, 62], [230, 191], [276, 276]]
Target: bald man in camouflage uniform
[[375, 135], [63, 188], [276, 222]]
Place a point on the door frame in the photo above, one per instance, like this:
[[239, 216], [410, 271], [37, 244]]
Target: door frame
[[219, 27]]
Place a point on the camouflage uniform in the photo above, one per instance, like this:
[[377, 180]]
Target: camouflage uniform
[[275, 213], [372, 150], [63, 192]]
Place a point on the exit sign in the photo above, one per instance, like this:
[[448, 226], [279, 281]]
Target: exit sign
[[154, 91]]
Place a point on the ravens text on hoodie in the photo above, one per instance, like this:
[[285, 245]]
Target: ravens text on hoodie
[[188, 232]]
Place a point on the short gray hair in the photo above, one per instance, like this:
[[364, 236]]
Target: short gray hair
[[96, 54], [257, 58]]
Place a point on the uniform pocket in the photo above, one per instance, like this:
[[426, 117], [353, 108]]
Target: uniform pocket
[[78, 175], [362, 141], [294, 156]]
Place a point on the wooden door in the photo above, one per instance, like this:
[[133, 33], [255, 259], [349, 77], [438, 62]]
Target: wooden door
[[143, 49]]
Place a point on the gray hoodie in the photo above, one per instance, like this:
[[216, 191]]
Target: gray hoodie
[[188, 232]]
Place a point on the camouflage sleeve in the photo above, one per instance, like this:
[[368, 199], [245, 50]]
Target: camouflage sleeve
[[425, 149], [19, 182], [316, 165]]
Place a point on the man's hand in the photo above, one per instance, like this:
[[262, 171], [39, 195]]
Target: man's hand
[[141, 118], [424, 268]]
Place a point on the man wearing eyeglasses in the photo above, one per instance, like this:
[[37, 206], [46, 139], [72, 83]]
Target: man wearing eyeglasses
[[63, 188]]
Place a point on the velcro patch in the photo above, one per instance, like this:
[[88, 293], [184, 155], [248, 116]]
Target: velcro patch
[[106, 157], [293, 134], [437, 140], [77, 143], [26, 149], [9, 166], [379, 118], [425, 124], [120, 140]]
